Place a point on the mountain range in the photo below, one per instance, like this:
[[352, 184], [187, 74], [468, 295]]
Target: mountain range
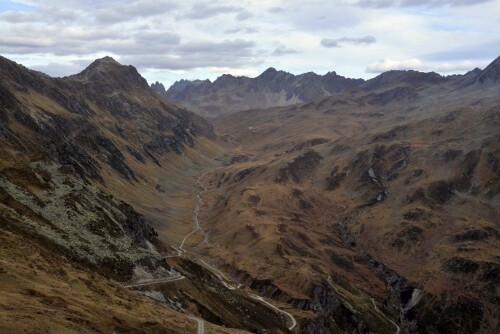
[[278, 88]]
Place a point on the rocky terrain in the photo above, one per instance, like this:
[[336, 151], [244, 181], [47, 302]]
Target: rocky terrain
[[333, 206]]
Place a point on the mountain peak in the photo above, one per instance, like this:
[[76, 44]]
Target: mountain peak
[[106, 60], [158, 87], [103, 64], [270, 70], [270, 73], [107, 74]]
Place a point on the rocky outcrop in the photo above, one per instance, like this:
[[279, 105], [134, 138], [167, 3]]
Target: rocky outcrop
[[299, 168], [333, 314]]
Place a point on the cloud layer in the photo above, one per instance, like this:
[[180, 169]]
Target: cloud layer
[[338, 42], [168, 40]]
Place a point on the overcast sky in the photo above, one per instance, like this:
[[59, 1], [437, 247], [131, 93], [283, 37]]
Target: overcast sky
[[168, 40]]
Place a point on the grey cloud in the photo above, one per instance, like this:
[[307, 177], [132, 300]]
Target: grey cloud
[[193, 61], [55, 15], [203, 11], [12, 16], [244, 15], [189, 63], [228, 47], [121, 12], [229, 53], [276, 10], [320, 16], [241, 31], [47, 39], [157, 37], [338, 42], [141, 43], [329, 43], [417, 3], [102, 12], [283, 50]]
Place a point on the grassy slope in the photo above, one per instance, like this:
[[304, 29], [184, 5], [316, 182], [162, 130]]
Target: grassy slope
[[289, 230]]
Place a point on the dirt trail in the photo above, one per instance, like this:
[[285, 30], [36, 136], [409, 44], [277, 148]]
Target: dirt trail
[[196, 211]]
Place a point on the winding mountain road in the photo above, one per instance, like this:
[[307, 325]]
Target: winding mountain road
[[288, 315], [223, 279], [201, 324]]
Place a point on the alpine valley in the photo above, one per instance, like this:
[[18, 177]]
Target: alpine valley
[[277, 204]]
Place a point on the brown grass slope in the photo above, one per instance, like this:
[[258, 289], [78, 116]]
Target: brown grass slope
[[386, 192]]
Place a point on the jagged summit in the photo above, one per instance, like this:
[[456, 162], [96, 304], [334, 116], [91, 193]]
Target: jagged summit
[[181, 85], [158, 87], [275, 88]]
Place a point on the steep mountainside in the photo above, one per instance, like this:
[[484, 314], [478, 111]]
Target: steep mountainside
[[377, 210], [97, 179], [271, 88]]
